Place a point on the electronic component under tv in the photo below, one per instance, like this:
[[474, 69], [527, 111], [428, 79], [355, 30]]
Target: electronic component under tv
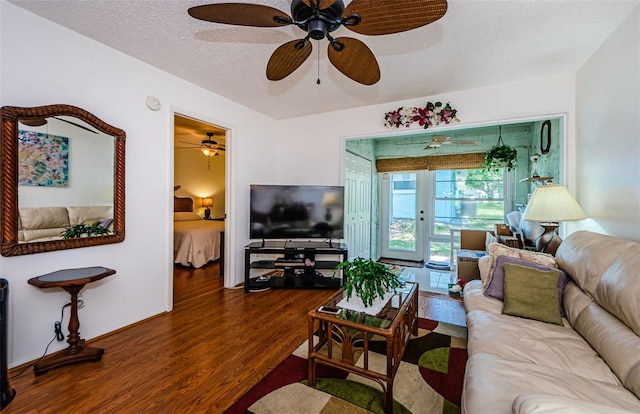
[[296, 212]]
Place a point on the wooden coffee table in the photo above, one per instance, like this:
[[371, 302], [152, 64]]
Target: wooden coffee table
[[344, 339]]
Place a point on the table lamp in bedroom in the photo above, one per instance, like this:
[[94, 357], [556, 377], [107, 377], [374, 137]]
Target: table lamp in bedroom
[[549, 205], [206, 203]]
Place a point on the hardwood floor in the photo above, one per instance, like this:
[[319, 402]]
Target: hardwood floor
[[441, 308], [201, 357]]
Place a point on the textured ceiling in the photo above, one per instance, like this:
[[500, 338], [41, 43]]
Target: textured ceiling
[[477, 43]]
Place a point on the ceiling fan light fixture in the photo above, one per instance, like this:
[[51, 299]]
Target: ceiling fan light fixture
[[208, 152]]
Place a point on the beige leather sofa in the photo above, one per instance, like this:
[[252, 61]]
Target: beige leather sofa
[[48, 223], [589, 365]]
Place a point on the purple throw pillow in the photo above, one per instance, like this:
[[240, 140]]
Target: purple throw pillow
[[495, 288]]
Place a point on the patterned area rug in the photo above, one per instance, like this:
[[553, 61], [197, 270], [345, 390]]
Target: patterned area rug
[[429, 380]]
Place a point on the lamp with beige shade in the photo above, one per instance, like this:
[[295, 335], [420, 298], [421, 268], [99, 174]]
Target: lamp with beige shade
[[549, 205]]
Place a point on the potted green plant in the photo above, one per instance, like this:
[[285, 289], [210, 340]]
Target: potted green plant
[[369, 279], [80, 230], [499, 157]]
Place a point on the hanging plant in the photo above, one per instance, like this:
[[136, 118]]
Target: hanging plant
[[499, 157]]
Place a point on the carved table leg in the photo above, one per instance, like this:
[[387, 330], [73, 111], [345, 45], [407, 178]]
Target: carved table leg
[[77, 351]]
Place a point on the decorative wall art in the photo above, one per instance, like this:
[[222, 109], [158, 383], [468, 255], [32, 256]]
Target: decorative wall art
[[432, 114], [43, 159]]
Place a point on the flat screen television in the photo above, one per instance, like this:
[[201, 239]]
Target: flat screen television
[[296, 212]]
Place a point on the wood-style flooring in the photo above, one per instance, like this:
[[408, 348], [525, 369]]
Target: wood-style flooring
[[199, 358]]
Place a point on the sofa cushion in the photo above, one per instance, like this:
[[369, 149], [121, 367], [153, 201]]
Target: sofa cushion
[[614, 341], [474, 298], [495, 288], [518, 339], [491, 384], [619, 288], [585, 256], [82, 214], [497, 249], [531, 293], [46, 223], [554, 404], [484, 263]]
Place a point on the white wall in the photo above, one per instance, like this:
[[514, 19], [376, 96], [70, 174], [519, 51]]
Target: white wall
[[608, 130], [71, 69]]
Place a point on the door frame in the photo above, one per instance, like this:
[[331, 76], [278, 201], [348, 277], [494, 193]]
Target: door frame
[[230, 262], [566, 163]]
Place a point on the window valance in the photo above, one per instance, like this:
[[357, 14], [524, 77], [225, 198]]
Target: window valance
[[432, 162]]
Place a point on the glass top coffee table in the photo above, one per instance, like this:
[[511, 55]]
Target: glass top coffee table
[[343, 340]]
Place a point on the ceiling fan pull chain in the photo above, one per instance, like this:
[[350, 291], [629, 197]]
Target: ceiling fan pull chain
[[318, 81]]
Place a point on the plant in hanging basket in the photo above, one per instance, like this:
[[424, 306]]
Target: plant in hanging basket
[[367, 278], [499, 157]]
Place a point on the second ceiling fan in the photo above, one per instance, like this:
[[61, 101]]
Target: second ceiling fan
[[319, 18], [208, 146], [438, 140]]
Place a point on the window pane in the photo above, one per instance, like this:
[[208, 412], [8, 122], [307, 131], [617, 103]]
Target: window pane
[[402, 219], [440, 252], [470, 199]]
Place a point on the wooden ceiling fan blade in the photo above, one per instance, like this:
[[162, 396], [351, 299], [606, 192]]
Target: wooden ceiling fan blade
[[461, 142], [323, 3], [413, 143], [75, 124], [355, 60], [381, 17], [33, 122], [287, 58], [241, 14]]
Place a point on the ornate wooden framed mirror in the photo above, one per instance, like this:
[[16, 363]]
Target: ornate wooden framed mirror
[[61, 166]]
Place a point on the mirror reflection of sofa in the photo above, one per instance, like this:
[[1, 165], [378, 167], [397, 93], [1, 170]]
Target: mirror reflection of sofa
[[48, 223]]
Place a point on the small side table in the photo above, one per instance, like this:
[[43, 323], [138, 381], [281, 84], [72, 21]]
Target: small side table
[[71, 280]]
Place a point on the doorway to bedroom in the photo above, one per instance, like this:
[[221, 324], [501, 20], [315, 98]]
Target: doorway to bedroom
[[199, 174]]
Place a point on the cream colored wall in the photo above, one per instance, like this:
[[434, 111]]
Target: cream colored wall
[[200, 177], [608, 134]]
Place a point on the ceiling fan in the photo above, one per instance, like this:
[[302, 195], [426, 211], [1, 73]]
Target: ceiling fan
[[36, 122], [208, 146], [439, 140], [319, 18]]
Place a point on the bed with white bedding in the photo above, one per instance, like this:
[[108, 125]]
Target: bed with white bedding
[[196, 241]]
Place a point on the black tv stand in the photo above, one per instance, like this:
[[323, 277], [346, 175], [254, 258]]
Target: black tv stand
[[293, 264]]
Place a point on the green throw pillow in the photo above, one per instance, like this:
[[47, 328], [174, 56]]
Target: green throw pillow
[[531, 293]]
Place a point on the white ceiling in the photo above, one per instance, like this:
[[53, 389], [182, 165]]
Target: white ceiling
[[477, 43]]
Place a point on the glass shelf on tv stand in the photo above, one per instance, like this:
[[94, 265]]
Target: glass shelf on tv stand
[[283, 264]]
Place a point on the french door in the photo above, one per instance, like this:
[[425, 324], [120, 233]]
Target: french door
[[403, 201], [419, 210]]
